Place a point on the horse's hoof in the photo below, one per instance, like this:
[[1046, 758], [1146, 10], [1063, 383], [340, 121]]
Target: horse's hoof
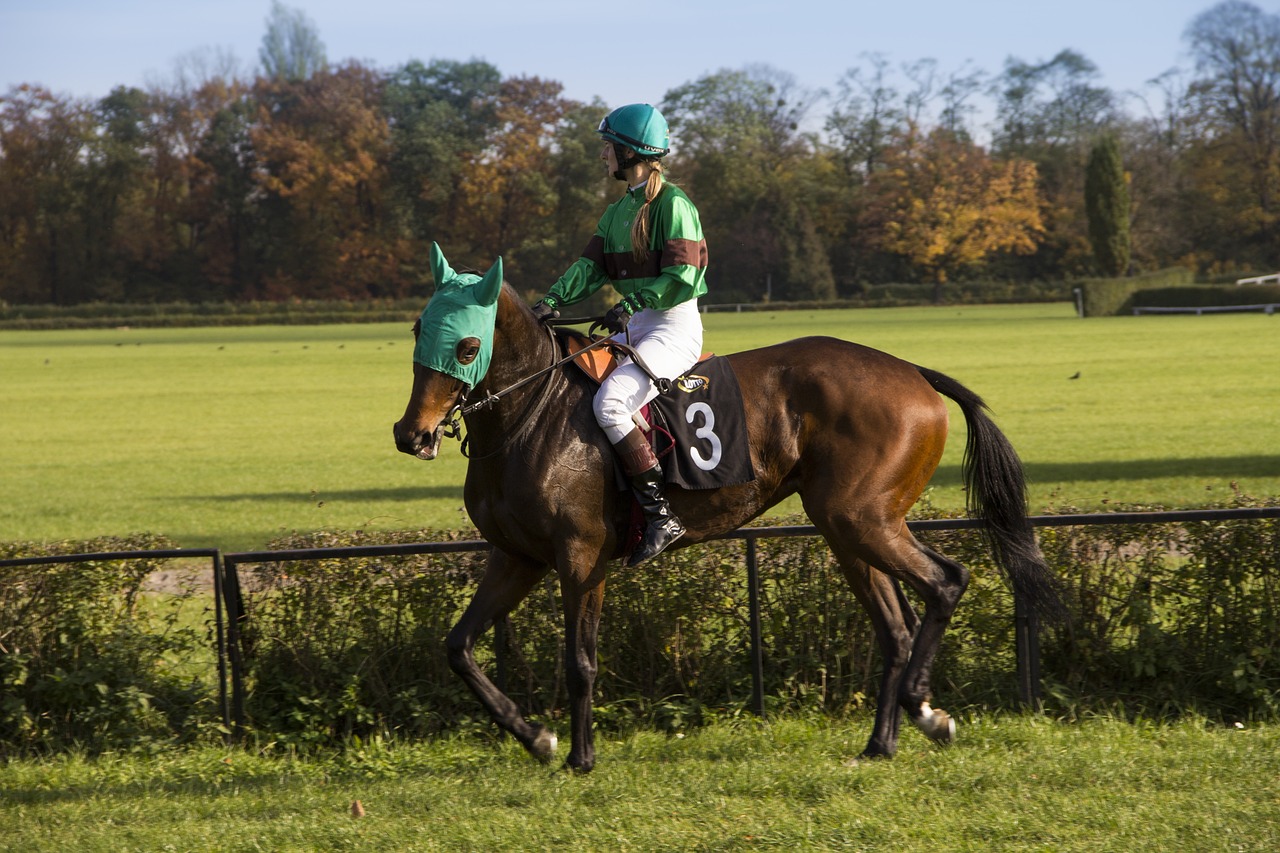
[[936, 724], [543, 745]]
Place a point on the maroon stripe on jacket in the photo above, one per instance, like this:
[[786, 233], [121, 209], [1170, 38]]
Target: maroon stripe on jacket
[[619, 266]]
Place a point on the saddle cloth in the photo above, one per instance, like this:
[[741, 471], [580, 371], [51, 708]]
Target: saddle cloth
[[700, 424]]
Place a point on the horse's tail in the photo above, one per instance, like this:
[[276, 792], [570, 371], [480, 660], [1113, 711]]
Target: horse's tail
[[997, 494]]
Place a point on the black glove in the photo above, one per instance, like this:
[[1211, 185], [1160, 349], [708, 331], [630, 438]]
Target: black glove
[[617, 318], [544, 310]]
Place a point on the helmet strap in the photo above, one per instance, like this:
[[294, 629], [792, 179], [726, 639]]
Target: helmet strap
[[625, 157]]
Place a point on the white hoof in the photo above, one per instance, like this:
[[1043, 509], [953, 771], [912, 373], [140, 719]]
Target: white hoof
[[544, 746], [936, 724]]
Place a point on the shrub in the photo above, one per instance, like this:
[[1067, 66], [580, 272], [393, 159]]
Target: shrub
[[88, 657]]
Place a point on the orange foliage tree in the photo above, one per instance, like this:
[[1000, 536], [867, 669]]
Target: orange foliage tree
[[942, 203], [509, 199], [321, 147]]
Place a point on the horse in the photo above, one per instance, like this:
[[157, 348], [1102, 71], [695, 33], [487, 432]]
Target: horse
[[856, 432]]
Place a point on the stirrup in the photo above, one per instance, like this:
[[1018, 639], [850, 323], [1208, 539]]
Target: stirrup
[[657, 538]]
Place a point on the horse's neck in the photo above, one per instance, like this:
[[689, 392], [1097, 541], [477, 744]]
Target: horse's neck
[[521, 347]]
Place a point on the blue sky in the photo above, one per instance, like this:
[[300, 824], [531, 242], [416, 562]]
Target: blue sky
[[86, 47]]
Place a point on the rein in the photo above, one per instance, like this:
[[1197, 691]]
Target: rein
[[453, 426], [453, 420]]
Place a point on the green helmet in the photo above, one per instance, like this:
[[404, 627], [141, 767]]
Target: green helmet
[[639, 127]]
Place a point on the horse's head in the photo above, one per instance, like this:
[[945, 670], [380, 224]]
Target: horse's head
[[453, 345]]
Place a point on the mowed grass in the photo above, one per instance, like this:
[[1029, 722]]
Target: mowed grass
[[229, 437], [1010, 783]]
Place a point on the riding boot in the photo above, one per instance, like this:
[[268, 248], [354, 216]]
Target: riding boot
[[645, 474]]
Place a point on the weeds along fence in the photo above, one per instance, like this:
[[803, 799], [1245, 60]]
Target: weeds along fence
[[332, 636]]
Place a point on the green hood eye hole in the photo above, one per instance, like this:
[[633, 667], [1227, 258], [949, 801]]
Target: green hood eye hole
[[467, 350]]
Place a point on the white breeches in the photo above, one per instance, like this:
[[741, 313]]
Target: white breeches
[[669, 342]]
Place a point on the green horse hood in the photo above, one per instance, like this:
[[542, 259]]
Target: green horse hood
[[455, 334]]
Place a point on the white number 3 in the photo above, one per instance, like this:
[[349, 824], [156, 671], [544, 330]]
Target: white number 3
[[704, 432]]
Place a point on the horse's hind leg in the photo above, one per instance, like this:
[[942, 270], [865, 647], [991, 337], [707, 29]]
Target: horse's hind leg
[[506, 582], [894, 623], [938, 580]]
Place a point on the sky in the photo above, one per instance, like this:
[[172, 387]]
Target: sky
[[617, 52]]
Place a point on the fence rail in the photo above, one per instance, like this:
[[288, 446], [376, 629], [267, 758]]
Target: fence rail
[[229, 610]]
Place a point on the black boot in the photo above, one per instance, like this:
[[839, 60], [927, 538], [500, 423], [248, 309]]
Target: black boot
[[661, 525], [642, 469]]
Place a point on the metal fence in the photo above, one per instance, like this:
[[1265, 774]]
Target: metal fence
[[229, 611]]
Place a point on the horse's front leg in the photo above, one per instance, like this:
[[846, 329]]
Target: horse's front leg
[[583, 595], [507, 580]]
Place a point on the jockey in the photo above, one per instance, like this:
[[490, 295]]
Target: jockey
[[649, 246]]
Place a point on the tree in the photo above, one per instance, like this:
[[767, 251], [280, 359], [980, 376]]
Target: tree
[[439, 115], [43, 138], [321, 150], [1106, 191], [1237, 50], [945, 205], [737, 143], [1050, 113], [291, 48]]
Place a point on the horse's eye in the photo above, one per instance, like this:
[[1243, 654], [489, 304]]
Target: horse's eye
[[468, 349]]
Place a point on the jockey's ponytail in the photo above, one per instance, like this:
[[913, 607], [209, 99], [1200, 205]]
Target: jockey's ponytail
[[640, 235]]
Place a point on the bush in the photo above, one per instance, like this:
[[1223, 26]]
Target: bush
[[90, 658]]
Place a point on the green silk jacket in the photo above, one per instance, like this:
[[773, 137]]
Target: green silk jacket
[[675, 270]]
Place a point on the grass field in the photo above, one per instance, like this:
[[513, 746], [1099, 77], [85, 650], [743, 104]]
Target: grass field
[[228, 437], [1010, 783]]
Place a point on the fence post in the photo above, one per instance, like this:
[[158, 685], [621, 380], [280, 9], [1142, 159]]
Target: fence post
[[753, 605], [233, 602], [220, 641]]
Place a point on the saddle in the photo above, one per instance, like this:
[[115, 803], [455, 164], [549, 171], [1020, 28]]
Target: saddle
[[700, 422]]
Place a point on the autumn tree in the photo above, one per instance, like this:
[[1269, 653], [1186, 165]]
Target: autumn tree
[[42, 205], [1237, 51], [506, 188], [1049, 113], [945, 205], [321, 150]]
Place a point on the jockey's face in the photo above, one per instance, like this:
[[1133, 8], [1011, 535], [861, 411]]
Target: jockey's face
[[610, 158]]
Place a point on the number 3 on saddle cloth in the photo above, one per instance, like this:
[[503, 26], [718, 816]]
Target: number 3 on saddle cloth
[[699, 424]]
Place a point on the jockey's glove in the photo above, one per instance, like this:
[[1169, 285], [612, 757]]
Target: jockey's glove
[[617, 318], [544, 310]]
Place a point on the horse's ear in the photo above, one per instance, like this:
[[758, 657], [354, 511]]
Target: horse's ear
[[440, 269], [488, 288]]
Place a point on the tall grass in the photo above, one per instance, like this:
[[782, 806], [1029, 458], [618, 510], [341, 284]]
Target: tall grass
[[230, 437]]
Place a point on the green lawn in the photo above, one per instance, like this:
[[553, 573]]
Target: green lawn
[[1009, 784], [228, 437]]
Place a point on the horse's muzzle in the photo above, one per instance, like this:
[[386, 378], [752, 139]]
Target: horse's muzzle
[[422, 444]]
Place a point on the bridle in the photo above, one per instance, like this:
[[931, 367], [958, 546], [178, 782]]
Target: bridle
[[453, 420]]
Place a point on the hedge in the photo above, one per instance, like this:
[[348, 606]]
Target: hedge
[[1165, 619], [1207, 296], [91, 659], [1104, 297]]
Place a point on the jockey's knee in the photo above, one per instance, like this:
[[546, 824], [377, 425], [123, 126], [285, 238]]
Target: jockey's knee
[[613, 418]]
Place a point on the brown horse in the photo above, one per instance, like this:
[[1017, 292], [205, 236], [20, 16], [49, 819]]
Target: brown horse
[[856, 432]]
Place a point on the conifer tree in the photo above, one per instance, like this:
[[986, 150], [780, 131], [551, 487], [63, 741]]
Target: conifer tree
[[1106, 201]]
